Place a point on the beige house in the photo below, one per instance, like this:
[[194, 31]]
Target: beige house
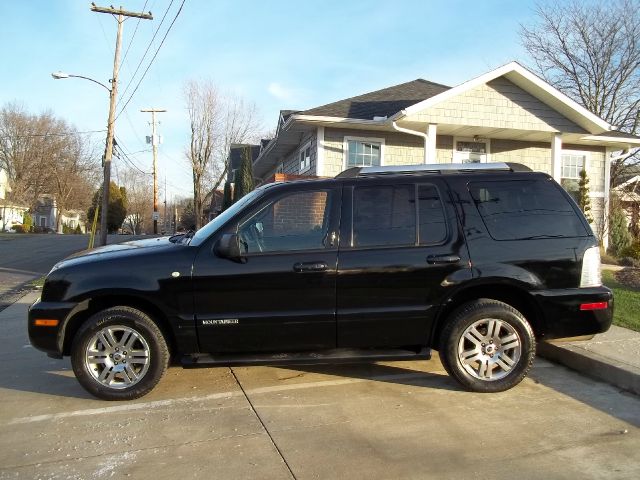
[[11, 213], [506, 115]]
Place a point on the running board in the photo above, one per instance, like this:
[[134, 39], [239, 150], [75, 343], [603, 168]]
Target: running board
[[338, 355]]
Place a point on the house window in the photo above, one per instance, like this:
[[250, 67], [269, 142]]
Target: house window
[[43, 221], [363, 152], [472, 150], [572, 165], [305, 158]]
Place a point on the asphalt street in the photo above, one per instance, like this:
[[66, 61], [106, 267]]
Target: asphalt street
[[24, 258], [391, 420], [38, 253]]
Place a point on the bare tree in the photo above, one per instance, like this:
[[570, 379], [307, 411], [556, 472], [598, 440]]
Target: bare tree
[[217, 121], [43, 154], [73, 174], [139, 190], [591, 52], [242, 124], [205, 114]]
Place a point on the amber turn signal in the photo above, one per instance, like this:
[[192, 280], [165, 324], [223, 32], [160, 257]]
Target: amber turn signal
[[46, 322]]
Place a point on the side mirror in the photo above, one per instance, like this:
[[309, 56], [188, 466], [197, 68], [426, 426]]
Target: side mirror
[[229, 247]]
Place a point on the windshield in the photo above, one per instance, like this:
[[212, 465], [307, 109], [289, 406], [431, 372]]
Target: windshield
[[206, 231]]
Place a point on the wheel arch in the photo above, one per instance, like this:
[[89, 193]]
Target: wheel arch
[[515, 295], [97, 304]]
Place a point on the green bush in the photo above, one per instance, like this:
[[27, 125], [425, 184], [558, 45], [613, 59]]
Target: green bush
[[27, 222], [620, 237], [632, 251]]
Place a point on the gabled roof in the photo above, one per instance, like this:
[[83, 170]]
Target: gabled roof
[[380, 103], [529, 82]]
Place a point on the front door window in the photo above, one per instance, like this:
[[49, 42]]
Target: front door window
[[298, 221]]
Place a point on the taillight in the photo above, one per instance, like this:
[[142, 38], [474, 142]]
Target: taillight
[[591, 271]]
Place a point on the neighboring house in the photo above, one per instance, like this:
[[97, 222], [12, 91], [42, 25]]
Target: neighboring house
[[236, 154], [11, 213], [45, 212], [73, 219], [627, 191], [506, 115], [215, 205]]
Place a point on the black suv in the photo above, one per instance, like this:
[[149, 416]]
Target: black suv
[[476, 261]]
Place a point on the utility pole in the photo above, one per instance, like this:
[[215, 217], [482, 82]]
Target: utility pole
[[122, 15], [154, 145], [164, 217]]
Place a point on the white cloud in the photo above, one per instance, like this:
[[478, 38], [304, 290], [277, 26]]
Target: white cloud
[[280, 92]]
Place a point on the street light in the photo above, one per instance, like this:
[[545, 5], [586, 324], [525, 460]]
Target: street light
[[108, 152], [61, 75]]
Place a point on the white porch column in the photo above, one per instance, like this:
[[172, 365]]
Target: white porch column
[[430, 144], [607, 181], [320, 153], [556, 157]]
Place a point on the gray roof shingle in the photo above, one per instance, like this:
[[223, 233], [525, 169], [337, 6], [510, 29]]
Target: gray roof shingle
[[381, 103]]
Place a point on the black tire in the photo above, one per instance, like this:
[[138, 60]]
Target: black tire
[[511, 354], [121, 383]]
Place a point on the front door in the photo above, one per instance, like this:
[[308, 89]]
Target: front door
[[399, 243], [282, 297]]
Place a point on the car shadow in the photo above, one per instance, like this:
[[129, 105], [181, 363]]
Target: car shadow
[[44, 376], [377, 372], [594, 393]]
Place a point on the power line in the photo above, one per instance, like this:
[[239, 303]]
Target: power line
[[134, 34], [153, 58], [124, 156], [146, 51], [66, 134], [135, 131]]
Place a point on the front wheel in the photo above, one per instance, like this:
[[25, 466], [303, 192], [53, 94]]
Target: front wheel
[[487, 346], [119, 354]]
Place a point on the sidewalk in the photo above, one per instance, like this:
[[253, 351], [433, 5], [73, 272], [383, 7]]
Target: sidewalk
[[613, 357], [14, 284]]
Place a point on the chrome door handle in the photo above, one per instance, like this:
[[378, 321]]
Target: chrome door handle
[[435, 259], [310, 267]]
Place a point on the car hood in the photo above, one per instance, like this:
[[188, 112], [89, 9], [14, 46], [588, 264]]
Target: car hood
[[118, 250]]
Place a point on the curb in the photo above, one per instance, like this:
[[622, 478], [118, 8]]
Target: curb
[[593, 365]]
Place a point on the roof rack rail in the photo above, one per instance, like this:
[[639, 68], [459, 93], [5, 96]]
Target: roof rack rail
[[432, 168]]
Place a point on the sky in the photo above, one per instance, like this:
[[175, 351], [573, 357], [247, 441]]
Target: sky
[[276, 54]]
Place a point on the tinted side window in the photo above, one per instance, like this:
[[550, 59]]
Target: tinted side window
[[384, 215], [298, 221], [432, 226], [521, 209]]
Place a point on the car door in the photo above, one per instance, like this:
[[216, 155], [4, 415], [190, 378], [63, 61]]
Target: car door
[[282, 295], [400, 241]]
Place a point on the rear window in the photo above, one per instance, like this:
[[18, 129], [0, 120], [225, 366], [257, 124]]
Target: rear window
[[525, 209], [386, 215]]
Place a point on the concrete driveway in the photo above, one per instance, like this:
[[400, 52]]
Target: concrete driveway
[[387, 421]]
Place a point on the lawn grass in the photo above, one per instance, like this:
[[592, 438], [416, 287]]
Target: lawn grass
[[626, 310]]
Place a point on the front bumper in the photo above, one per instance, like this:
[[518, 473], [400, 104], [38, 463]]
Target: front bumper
[[46, 338], [563, 316]]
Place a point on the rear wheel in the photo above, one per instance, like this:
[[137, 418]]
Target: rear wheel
[[119, 354], [487, 346]]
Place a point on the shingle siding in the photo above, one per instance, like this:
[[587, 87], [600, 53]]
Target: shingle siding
[[291, 163], [498, 104]]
